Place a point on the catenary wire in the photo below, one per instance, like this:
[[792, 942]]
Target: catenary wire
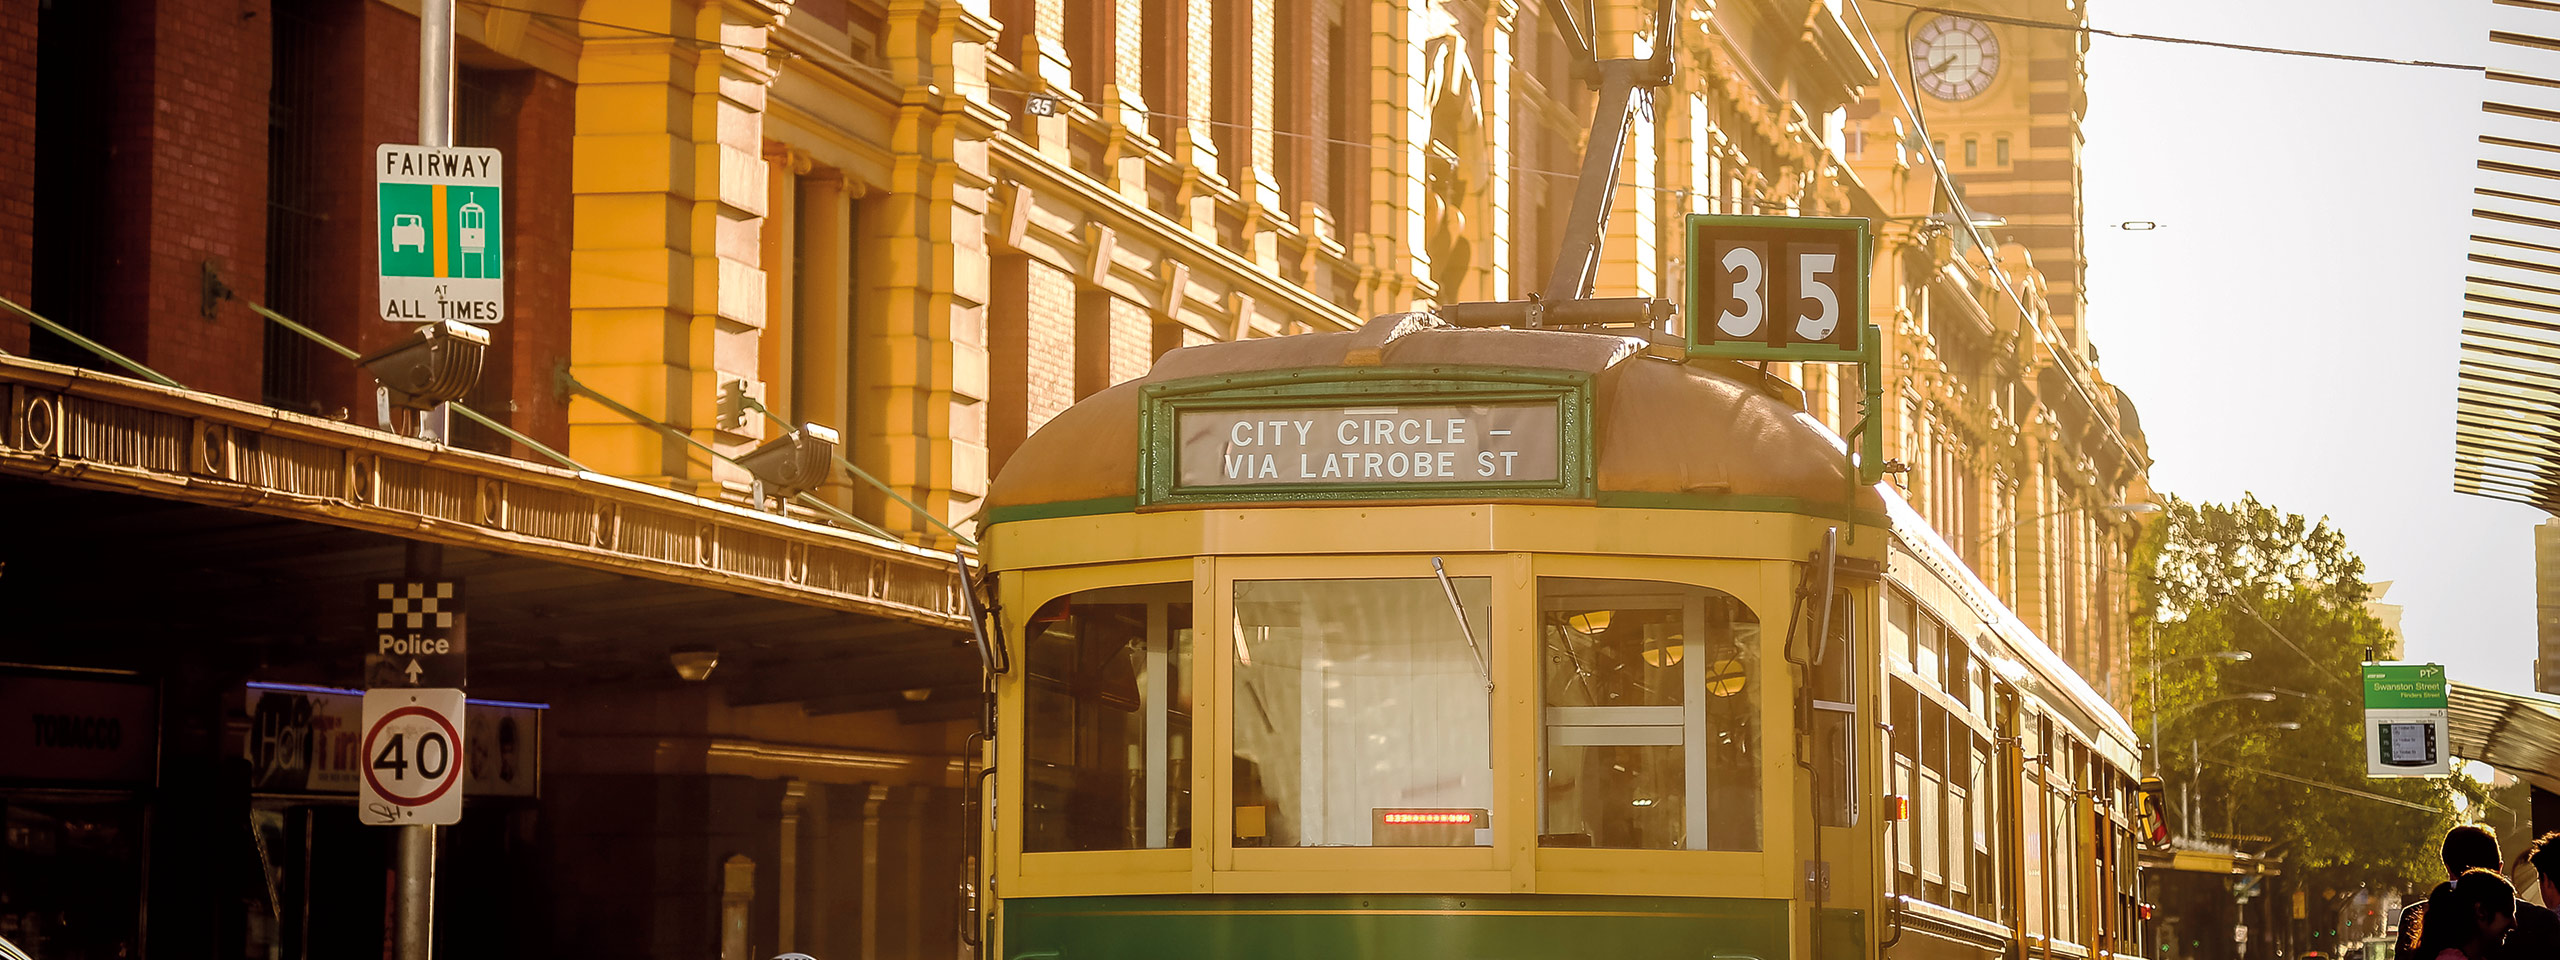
[[2028, 22], [1955, 198]]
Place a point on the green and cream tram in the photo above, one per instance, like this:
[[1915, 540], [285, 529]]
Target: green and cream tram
[[1420, 641]]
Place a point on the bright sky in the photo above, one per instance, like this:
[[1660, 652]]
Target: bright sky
[[2291, 330]]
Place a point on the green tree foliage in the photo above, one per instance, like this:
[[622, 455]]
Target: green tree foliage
[[2214, 580]]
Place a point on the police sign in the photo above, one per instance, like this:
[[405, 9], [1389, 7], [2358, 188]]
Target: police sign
[[440, 234]]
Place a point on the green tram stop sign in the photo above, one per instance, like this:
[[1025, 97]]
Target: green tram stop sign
[[439, 233]]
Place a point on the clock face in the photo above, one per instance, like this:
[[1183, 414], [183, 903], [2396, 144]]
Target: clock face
[[1955, 58]]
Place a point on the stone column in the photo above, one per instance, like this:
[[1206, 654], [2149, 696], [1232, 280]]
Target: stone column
[[670, 183], [919, 420]]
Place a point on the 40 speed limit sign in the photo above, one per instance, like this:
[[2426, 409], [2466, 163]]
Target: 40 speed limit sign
[[412, 758]]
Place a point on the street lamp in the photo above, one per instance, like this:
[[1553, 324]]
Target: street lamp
[[2119, 509], [2195, 757], [2233, 656], [2255, 696]]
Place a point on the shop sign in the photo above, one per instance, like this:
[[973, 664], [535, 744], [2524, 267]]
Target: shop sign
[[1372, 437], [308, 740], [2405, 721], [83, 728]]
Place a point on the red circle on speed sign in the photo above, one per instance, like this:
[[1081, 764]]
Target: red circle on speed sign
[[451, 775]]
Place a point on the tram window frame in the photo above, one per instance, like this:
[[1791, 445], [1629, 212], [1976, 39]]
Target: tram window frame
[[1156, 814], [1933, 795], [1719, 800], [1900, 624], [1835, 719]]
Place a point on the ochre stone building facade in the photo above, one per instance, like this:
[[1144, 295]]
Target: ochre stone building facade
[[931, 225]]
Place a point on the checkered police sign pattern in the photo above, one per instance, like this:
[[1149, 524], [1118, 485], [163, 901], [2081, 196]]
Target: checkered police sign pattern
[[414, 606]]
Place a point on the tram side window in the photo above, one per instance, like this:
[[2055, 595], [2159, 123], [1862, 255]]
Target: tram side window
[[1985, 880], [1362, 714], [1652, 718], [1108, 744], [1906, 749], [1835, 720], [1898, 625], [1933, 797]]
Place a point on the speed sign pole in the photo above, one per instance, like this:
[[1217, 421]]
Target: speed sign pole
[[415, 880]]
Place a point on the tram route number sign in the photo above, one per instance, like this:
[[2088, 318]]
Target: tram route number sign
[[412, 758], [1405, 445], [1777, 288], [440, 233]]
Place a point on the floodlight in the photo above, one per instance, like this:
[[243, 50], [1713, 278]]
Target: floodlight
[[694, 662], [791, 463], [436, 363]]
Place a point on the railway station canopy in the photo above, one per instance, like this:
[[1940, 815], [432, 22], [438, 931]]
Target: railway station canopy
[[2518, 733]]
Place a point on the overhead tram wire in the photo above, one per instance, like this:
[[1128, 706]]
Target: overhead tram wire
[[1964, 215], [2032, 23], [885, 73]]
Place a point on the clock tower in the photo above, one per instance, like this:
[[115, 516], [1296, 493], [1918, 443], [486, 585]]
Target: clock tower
[[2003, 104]]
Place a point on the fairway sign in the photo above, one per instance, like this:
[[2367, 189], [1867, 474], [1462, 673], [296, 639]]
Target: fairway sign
[[439, 234], [412, 758]]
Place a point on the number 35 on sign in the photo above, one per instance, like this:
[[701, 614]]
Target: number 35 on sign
[[412, 757], [1777, 288]]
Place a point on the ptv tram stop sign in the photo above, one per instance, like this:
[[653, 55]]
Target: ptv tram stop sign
[[439, 233], [412, 758]]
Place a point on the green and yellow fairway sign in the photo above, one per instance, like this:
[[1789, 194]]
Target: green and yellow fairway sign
[[439, 234]]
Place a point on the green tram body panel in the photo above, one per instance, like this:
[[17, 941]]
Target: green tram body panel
[[1409, 927]]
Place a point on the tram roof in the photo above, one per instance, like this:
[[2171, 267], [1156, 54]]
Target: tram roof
[[1703, 434]]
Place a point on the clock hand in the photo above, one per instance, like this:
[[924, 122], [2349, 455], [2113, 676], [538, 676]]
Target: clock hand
[[1941, 67]]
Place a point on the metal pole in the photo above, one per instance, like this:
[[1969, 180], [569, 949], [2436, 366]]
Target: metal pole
[[417, 886], [435, 129], [435, 73], [415, 919]]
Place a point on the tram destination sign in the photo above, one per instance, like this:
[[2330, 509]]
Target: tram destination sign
[[1415, 444], [1382, 435]]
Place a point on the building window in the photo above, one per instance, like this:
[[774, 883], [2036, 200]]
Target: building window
[[1653, 740], [1853, 141], [2000, 151], [1972, 152], [1108, 721], [1362, 715]]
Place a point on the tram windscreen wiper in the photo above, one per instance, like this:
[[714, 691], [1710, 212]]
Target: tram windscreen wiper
[[1482, 669]]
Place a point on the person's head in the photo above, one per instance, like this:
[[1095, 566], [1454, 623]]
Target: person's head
[[2475, 910], [2546, 865], [2471, 846]]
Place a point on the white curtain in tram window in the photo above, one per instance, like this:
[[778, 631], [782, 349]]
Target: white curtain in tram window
[[1354, 696]]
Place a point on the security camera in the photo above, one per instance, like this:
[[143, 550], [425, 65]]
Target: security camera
[[436, 363], [791, 463]]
